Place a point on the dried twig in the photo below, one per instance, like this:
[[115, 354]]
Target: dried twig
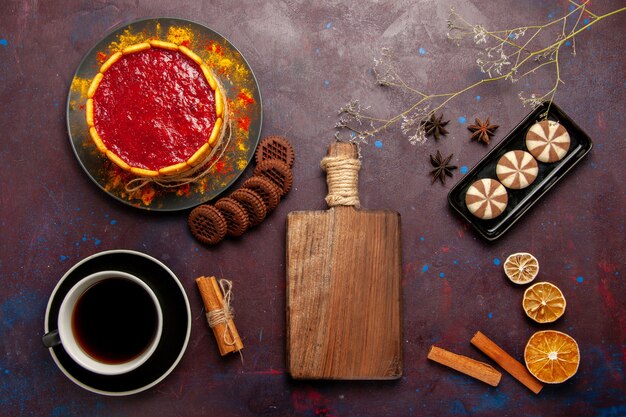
[[509, 54]]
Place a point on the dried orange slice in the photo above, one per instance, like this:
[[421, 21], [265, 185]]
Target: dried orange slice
[[544, 302], [551, 356], [521, 268]]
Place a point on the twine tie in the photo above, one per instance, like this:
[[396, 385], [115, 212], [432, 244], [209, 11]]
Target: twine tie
[[223, 315]]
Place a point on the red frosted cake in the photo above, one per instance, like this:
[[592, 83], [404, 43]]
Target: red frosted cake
[[155, 109]]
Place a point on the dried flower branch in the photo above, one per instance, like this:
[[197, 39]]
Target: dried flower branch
[[509, 54]]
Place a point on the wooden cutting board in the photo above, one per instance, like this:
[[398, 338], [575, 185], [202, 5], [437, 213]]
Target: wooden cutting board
[[344, 290]]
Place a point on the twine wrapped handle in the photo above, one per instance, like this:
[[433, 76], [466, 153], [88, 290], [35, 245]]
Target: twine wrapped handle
[[342, 174]]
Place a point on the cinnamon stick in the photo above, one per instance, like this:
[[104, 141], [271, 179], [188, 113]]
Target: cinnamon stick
[[479, 370], [506, 361], [218, 316]]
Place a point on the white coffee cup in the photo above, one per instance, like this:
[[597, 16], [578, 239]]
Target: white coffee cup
[[65, 334]]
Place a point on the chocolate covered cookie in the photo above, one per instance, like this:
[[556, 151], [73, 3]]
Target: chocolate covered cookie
[[275, 147], [207, 224], [253, 203], [276, 171], [266, 189], [237, 220]]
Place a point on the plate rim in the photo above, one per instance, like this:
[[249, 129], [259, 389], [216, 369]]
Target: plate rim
[[168, 370], [89, 53]]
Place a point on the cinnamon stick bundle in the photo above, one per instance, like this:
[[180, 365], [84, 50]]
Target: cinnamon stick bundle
[[479, 370], [216, 299]]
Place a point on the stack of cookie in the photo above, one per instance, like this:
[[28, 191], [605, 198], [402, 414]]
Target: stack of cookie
[[250, 204]]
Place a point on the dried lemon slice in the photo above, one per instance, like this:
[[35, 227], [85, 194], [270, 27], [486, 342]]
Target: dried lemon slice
[[551, 356], [544, 302], [521, 268]]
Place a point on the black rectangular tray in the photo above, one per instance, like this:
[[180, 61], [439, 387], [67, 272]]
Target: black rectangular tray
[[520, 200]]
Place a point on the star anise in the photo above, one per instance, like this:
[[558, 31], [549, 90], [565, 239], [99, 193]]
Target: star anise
[[482, 132], [442, 167], [435, 126]]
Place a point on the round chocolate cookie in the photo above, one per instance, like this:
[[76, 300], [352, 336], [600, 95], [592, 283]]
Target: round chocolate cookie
[[517, 169], [278, 172], [266, 189], [548, 141], [275, 147], [486, 199], [253, 203], [236, 216], [207, 224]]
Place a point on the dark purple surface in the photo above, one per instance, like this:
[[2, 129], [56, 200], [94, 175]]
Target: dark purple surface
[[309, 60]]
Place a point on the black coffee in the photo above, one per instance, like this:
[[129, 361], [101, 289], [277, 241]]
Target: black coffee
[[114, 321]]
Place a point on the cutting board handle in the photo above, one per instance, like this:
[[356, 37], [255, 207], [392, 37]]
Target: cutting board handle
[[342, 167]]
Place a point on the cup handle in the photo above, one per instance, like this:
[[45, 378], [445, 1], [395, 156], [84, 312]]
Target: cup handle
[[51, 339]]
